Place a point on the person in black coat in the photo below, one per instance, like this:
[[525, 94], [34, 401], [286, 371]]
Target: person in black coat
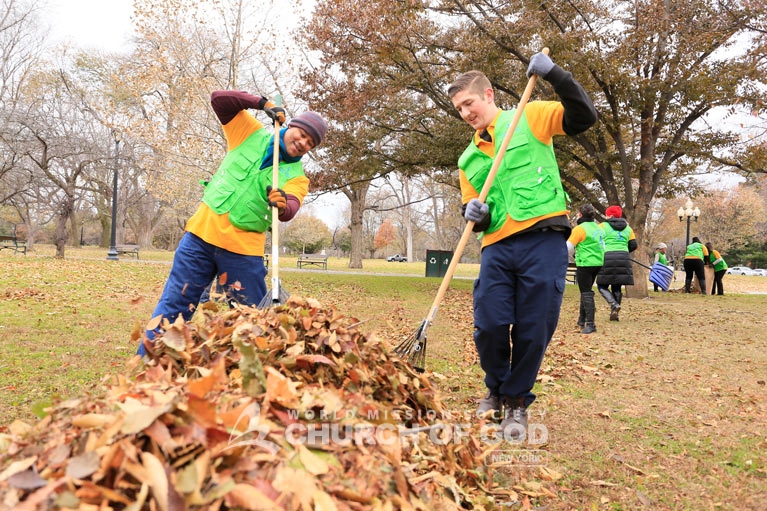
[[616, 270]]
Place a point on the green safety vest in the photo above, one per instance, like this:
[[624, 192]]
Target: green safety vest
[[527, 184], [694, 250], [591, 251], [239, 185], [662, 258], [721, 265], [616, 241]]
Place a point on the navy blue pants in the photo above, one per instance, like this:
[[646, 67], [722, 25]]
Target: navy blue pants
[[195, 264], [517, 299]]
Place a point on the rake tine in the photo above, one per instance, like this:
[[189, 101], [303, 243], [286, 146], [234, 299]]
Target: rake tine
[[272, 298], [413, 348]]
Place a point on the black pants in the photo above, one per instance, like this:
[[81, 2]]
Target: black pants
[[694, 267], [585, 276], [718, 283]]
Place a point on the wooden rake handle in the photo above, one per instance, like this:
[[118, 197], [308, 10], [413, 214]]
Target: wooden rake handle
[[276, 214], [483, 194]]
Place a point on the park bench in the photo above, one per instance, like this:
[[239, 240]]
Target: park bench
[[129, 250], [13, 243], [570, 275], [319, 260]]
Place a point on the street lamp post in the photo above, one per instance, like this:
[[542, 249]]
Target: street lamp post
[[112, 254], [687, 212]]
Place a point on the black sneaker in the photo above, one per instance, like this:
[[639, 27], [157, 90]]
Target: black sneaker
[[489, 403]]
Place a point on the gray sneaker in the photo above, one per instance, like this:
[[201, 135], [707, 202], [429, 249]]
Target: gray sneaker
[[489, 403], [514, 423]]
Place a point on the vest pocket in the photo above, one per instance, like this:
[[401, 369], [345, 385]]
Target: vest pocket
[[256, 211], [533, 192], [517, 152], [239, 166], [217, 196]]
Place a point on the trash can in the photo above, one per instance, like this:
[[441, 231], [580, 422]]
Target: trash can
[[437, 262]]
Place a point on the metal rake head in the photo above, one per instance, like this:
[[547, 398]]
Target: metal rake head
[[413, 348], [271, 299]]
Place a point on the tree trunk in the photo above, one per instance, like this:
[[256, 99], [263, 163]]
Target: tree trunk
[[357, 194], [408, 217], [639, 289], [60, 235]]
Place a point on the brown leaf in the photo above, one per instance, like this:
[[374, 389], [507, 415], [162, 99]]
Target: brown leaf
[[323, 501], [157, 480], [154, 323], [27, 480], [217, 376], [280, 389], [311, 462], [17, 466], [92, 420], [139, 416], [83, 465], [248, 497], [33, 502]]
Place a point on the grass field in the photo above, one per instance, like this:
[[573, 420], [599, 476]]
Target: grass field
[[665, 409]]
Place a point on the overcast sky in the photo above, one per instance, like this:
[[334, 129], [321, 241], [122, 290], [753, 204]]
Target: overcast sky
[[101, 24]]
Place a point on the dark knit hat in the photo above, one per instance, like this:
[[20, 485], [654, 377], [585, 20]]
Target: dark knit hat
[[588, 212], [313, 124], [614, 211]]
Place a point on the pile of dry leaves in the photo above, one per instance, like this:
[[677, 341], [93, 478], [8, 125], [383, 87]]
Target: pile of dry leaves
[[289, 408]]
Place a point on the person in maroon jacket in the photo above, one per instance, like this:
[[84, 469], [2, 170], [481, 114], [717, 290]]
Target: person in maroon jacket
[[226, 236]]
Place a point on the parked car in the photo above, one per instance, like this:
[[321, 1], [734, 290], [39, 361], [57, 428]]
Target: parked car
[[397, 258], [761, 272], [740, 270]]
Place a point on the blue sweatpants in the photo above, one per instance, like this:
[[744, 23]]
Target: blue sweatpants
[[195, 264], [517, 299]]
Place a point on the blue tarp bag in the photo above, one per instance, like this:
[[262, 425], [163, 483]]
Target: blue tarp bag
[[661, 275]]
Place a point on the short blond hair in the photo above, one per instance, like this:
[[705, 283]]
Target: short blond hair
[[474, 81]]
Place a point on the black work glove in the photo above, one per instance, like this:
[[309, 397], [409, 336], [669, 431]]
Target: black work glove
[[277, 198]]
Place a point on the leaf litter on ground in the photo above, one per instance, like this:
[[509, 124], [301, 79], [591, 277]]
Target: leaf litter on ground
[[287, 408]]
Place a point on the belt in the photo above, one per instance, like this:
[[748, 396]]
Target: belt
[[549, 228]]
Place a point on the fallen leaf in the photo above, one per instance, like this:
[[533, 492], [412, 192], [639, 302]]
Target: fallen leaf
[[83, 465], [248, 497], [157, 480], [17, 466], [644, 499], [27, 480], [311, 462], [323, 501]]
